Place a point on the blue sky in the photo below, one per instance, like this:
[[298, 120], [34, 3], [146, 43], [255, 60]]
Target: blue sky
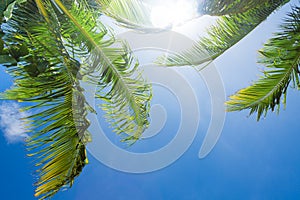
[[252, 160]]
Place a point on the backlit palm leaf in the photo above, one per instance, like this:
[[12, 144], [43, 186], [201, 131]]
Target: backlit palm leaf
[[281, 56], [42, 76], [126, 94], [54, 52], [133, 14], [227, 32], [226, 7]]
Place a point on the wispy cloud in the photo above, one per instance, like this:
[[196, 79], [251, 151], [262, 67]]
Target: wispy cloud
[[11, 122]]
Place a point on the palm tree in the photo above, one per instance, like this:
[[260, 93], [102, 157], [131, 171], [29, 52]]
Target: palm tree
[[50, 47]]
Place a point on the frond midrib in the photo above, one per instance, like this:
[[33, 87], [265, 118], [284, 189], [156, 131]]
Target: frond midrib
[[115, 70], [275, 88]]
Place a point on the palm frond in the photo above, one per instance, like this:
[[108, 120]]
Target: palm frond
[[281, 56], [229, 7], [56, 45], [43, 76], [136, 14], [228, 31], [132, 14], [127, 95]]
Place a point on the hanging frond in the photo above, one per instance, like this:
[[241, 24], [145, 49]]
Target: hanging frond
[[132, 14], [281, 56], [126, 94], [44, 77], [228, 31], [136, 15], [53, 46], [229, 7]]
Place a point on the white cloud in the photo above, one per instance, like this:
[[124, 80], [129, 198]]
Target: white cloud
[[11, 122]]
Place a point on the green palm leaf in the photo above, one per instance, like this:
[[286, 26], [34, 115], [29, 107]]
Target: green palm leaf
[[281, 56], [136, 15], [56, 46], [227, 32], [229, 7], [124, 90], [42, 77], [133, 14]]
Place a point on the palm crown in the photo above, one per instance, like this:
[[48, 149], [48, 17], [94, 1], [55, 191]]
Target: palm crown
[[51, 47]]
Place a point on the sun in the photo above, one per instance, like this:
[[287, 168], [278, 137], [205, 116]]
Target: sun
[[172, 13]]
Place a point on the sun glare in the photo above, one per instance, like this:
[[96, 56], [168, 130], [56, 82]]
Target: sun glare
[[172, 13]]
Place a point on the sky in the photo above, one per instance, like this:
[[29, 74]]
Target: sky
[[252, 160]]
